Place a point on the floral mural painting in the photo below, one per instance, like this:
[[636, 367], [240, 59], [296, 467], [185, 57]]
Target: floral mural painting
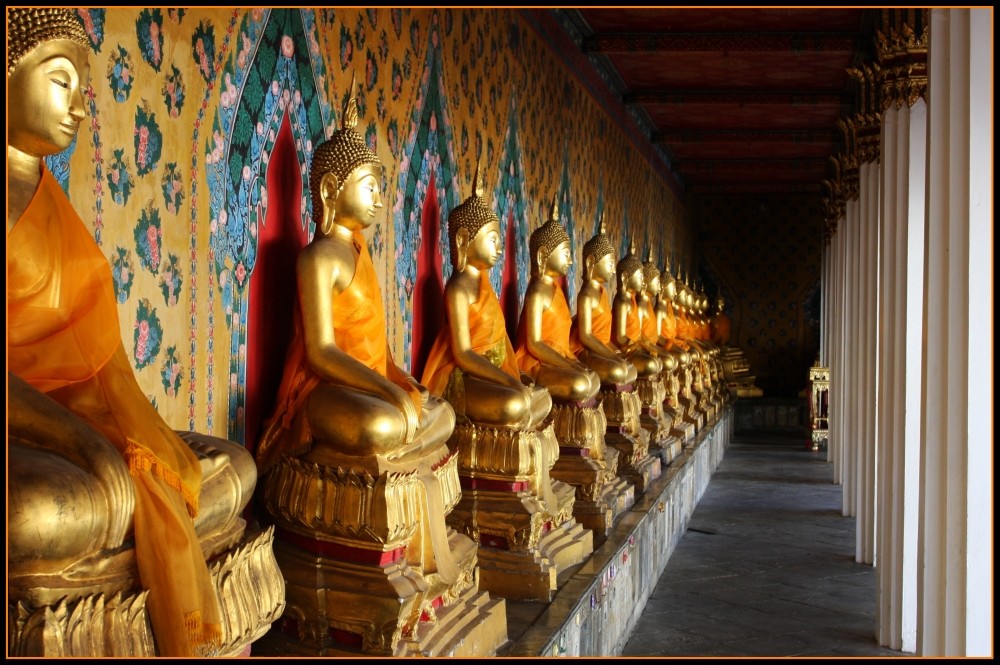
[[148, 237], [146, 336], [148, 139], [122, 273], [170, 280], [119, 75], [509, 199], [170, 372], [119, 177], [203, 49], [93, 24], [172, 187], [280, 80], [429, 147], [173, 92], [149, 32]]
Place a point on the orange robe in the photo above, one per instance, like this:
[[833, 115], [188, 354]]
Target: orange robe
[[633, 328], [600, 325], [64, 340], [556, 323], [670, 329], [488, 335], [649, 323], [721, 328], [359, 330]]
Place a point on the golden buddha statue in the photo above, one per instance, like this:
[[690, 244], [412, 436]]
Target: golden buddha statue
[[114, 518], [543, 352], [543, 348], [626, 323], [359, 475], [597, 329], [506, 446], [678, 379], [590, 336]]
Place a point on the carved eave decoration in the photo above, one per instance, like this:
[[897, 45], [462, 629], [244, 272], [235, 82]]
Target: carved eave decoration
[[902, 54]]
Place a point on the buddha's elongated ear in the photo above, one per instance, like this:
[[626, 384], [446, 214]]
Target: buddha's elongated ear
[[588, 265], [462, 248], [540, 260], [329, 189]]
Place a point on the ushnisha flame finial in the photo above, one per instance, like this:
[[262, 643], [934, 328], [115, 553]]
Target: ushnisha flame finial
[[554, 213], [477, 180], [350, 115]]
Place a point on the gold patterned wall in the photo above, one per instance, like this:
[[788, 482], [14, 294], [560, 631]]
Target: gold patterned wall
[[184, 107], [764, 253]]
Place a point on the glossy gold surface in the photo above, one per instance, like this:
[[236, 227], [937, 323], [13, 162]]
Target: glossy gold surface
[[362, 481], [73, 578], [522, 519]]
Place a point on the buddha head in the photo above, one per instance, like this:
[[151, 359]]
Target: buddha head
[[630, 277], [474, 231], [651, 276], [599, 256], [549, 246], [346, 176], [47, 71], [720, 304]]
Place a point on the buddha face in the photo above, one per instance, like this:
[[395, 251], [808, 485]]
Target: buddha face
[[653, 286], [49, 83], [361, 197], [559, 260], [635, 282], [486, 248], [671, 290], [604, 269]]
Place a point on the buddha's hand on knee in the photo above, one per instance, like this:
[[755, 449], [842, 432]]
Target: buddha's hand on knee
[[402, 401]]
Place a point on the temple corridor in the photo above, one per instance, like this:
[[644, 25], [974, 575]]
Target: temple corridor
[[766, 567]]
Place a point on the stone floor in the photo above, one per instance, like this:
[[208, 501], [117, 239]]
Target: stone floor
[[766, 567]]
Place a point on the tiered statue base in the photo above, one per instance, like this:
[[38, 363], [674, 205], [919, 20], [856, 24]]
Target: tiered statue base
[[349, 605], [623, 408], [586, 463], [653, 418], [522, 519], [370, 566], [681, 429], [116, 624]]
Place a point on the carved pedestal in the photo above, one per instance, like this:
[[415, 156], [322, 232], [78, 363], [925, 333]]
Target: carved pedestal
[[116, 623], [623, 409], [369, 564], [652, 393], [586, 463], [522, 519]]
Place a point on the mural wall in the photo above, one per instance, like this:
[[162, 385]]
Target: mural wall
[[189, 107], [763, 252]]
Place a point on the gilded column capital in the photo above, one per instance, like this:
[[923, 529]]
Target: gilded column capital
[[902, 54]]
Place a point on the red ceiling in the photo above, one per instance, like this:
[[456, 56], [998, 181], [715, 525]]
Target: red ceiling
[[775, 79]]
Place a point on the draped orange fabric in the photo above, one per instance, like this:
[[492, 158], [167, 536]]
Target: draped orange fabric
[[63, 339], [669, 329], [632, 328], [649, 322], [556, 323], [721, 328], [359, 330], [600, 324], [487, 333]]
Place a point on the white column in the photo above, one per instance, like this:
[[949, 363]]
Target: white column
[[864, 482], [852, 429], [904, 146], [836, 344], [955, 549], [843, 404]]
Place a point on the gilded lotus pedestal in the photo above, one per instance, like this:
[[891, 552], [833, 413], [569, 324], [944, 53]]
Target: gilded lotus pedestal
[[623, 410], [522, 519], [589, 465], [370, 566], [97, 608]]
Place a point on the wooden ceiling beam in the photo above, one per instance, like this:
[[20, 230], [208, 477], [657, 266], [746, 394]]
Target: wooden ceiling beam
[[727, 42], [757, 166], [739, 96], [811, 136]]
